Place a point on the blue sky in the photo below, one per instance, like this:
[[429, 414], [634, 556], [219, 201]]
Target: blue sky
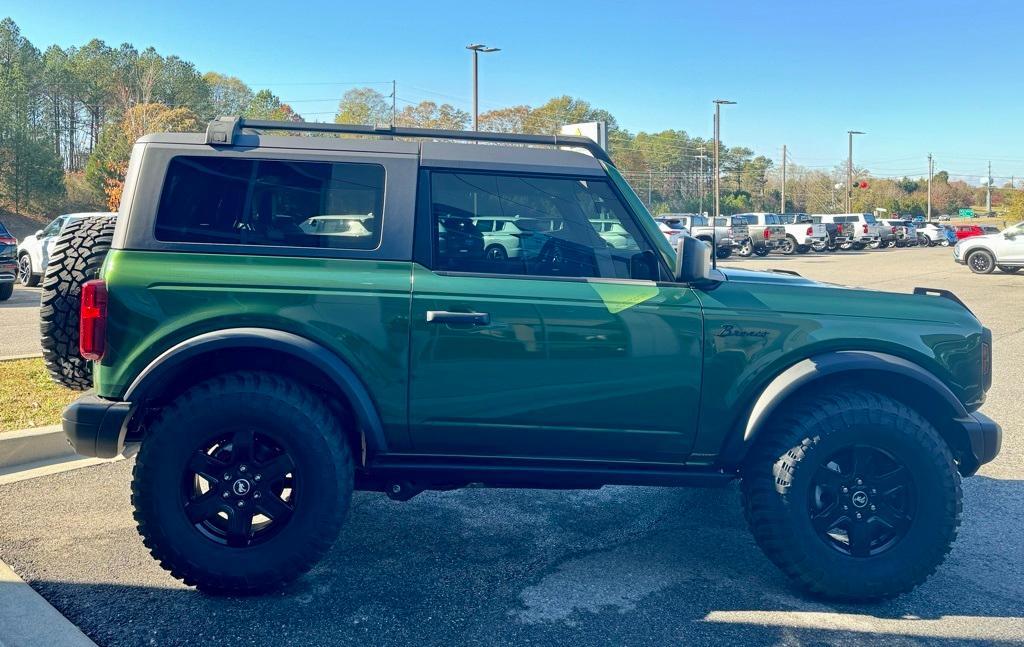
[[919, 77]]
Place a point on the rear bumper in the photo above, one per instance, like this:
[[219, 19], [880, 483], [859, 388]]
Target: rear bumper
[[985, 438], [96, 426], [8, 269]]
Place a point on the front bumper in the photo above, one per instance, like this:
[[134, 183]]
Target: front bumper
[[985, 438], [96, 426]]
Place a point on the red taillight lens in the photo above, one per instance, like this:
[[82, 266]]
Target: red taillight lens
[[767, 233], [893, 229], [865, 228], [839, 228], [92, 327], [810, 231]]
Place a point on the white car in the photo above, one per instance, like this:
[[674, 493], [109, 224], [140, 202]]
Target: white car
[[933, 234], [34, 251], [983, 254], [861, 228]]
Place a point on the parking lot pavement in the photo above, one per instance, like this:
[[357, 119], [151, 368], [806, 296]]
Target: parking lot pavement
[[19, 323], [636, 566]]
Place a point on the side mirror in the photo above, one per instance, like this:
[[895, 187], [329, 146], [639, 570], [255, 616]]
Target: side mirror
[[693, 260], [39, 232]]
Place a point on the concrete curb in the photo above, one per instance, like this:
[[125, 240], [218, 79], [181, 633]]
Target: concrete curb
[[27, 620], [6, 358], [32, 446]]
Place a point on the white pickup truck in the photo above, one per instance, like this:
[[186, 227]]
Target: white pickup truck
[[701, 229], [764, 233], [862, 228], [802, 235]]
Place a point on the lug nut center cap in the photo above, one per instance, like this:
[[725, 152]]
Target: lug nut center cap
[[242, 487], [858, 499]]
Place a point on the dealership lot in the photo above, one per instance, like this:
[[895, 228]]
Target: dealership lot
[[614, 566], [19, 323]]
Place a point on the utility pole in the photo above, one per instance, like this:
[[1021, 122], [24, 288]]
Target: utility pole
[[718, 195], [988, 191], [700, 179], [650, 186], [477, 48], [394, 102], [849, 171], [931, 170], [783, 209]]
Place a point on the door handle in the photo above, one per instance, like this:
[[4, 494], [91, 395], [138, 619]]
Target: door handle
[[471, 318]]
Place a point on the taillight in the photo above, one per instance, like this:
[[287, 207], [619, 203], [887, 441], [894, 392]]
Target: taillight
[[893, 229], [839, 229], [865, 228], [767, 233], [810, 231], [92, 326]]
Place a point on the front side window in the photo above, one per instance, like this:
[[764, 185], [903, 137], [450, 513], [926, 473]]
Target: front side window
[[271, 202], [550, 227], [53, 228]]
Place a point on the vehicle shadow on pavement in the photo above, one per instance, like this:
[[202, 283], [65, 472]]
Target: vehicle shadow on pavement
[[618, 565]]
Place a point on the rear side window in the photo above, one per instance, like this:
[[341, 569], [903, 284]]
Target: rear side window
[[271, 202]]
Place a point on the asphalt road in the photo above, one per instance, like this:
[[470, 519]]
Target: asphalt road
[[19, 323], [617, 566]]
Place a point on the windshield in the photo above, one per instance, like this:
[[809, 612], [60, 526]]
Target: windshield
[[1016, 230], [741, 220], [698, 221]]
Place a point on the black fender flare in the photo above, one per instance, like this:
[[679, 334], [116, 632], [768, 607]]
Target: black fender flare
[[148, 382], [816, 369]]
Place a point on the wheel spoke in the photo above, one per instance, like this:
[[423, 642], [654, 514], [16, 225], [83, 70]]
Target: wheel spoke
[[827, 519], [272, 506], [276, 468], [859, 535], [891, 516], [890, 481], [242, 445], [206, 466], [202, 508], [239, 526], [829, 478], [861, 460]]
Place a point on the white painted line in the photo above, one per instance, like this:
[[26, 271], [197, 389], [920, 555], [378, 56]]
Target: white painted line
[[46, 468], [27, 620], [14, 357], [961, 628]]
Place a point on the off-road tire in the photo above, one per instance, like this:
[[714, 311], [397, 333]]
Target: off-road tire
[[776, 487], [6, 291], [77, 257], [27, 278], [1009, 269], [280, 409], [981, 261]]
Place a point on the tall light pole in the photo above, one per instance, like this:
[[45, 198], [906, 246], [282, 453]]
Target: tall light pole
[[931, 171], [783, 209], [718, 105], [476, 48], [849, 171]]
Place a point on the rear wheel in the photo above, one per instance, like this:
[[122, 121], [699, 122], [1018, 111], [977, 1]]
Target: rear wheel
[[77, 257], [6, 291], [981, 261], [25, 274], [858, 499], [788, 246], [242, 483], [1008, 269], [803, 249], [746, 248], [761, 250]]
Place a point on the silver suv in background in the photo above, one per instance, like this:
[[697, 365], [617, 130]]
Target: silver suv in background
[[700, 228]]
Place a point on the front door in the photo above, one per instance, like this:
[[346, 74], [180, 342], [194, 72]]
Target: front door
[[565, 346]]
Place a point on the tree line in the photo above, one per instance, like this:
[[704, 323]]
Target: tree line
[[69, 116]]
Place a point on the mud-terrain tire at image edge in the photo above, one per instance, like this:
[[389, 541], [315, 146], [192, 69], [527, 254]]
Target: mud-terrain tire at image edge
[[784, 481], [231, 428], [77, 257]]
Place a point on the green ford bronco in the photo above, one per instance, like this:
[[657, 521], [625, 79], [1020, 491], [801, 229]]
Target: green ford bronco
[[282, 320]]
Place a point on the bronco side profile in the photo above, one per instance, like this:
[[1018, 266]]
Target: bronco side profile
[[264, 365]]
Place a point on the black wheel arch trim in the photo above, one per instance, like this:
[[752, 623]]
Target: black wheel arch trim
[[149, 380], [816, 369]]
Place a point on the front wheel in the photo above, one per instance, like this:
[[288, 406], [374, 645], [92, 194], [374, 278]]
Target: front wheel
[[857, 498], [25, 274], [981, 262], [875, 244], [761, 250], [242, 483], [746, 248]]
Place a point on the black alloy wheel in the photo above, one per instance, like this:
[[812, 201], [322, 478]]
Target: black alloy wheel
[[861, 501]]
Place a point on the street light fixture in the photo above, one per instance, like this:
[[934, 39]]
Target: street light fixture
[[849, 170], [477, 49], [718, 105]]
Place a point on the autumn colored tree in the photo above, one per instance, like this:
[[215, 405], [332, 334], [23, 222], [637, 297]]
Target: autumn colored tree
[[364, 106]]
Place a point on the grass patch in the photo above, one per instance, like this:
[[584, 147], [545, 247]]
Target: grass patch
[[28, 397]]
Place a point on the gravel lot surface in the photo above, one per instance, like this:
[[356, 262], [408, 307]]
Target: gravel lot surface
[[19, 323], [618, 566]]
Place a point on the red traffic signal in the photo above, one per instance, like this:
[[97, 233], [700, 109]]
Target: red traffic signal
[[860, 185]]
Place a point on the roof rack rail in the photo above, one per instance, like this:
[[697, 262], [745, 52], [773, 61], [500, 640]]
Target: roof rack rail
[[223, 131]]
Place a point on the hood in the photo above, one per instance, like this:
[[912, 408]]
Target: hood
[[779, 277]]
